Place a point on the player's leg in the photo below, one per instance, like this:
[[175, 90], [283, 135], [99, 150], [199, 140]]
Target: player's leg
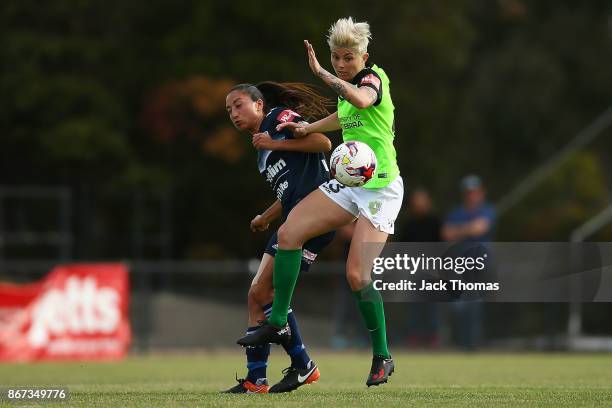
[[378, 210], [260, 293], [366, 244], [302, 370], [315, 215]]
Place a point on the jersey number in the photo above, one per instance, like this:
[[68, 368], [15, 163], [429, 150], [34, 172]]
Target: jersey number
[[335, 187]]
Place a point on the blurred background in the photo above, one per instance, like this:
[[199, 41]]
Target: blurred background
[[115, 146]]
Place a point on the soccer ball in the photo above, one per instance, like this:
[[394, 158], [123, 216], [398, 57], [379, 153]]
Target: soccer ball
[[353, 163]]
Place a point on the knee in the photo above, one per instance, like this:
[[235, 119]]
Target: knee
[[355, 278], [289, 237]]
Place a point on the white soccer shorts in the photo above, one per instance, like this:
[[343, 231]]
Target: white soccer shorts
[[381, 206]]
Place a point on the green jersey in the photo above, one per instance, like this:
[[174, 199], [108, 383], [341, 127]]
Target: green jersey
[[373, 125]]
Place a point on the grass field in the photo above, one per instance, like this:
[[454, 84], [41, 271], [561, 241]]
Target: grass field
[[432, 380]]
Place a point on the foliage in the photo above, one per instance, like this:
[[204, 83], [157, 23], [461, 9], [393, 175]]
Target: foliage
[[116, 96]]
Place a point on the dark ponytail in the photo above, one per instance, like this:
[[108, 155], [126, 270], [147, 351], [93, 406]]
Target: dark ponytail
[[302, 98]]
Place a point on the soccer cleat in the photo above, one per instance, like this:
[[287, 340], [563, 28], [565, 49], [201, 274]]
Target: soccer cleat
[[266, 333], [245, 386], [382, 369], [296, 377]]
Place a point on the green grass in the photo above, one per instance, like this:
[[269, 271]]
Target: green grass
[[432, 380]]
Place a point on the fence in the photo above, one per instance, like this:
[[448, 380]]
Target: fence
[[187, 305]]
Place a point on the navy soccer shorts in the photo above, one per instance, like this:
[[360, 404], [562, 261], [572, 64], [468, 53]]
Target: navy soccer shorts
[[310, 250]]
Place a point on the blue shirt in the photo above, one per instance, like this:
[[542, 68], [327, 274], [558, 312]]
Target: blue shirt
[[292, 175], [460, 215]]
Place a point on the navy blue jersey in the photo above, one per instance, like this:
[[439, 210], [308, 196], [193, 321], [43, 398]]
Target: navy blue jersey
[[292, 175]]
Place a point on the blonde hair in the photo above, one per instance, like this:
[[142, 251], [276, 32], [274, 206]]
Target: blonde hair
[[345, 33]]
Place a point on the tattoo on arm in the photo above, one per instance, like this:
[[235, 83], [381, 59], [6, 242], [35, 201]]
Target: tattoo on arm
[[372, 95], [335, 83]]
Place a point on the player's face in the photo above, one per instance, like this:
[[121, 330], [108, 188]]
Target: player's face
[[244, 113], [347, 63]]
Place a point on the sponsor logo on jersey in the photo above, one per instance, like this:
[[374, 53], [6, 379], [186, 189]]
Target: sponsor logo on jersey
[[371, 79], [287, 116], [351, 121], [273, 169], [281, 189]]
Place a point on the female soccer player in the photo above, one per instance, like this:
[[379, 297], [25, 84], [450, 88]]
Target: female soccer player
[[294, 168], [365, 113]]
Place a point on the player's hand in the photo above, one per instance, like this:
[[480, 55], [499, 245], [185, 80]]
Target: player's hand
[[263, 141], [298, 129], [312, 59], [258, 224]]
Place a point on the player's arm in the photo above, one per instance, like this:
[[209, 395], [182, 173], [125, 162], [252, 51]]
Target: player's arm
[[262, 221], [458, 232], [301, 129], [327, 124], [311, 143], [360, 97]]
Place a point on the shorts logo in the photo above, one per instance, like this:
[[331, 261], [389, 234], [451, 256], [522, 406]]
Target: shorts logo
[[308, 256], [374, 206], [287, 116]]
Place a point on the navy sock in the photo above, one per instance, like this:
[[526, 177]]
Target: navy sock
[[257, 360], [295, 348]]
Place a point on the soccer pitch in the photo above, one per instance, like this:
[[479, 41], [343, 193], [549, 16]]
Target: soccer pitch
[[420, 379]]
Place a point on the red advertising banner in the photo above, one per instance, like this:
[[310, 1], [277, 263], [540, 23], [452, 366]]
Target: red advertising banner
[[78, 311]]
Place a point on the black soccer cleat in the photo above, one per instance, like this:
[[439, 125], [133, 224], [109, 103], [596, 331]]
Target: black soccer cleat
[[247, 387], [296, 377], [266, 333], [382, 369]]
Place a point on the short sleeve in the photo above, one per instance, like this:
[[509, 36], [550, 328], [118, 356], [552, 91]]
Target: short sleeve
[[283, 115], [287, 115], [372, 80]]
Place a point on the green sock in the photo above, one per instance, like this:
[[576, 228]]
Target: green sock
[[287, 264], [372, 309]]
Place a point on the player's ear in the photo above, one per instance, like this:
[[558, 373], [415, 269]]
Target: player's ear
[[365, 57], [259, 104]]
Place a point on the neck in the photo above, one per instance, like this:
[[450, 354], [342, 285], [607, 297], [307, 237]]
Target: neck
[[358, 71], [256, 126]]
